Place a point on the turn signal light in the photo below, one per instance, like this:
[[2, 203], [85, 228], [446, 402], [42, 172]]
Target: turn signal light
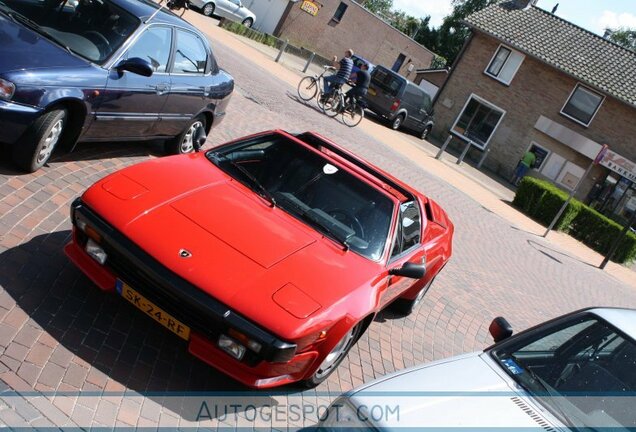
[[396, 105]]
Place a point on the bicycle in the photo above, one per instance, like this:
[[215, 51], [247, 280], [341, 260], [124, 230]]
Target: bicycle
[[311, 86], [350, 107]]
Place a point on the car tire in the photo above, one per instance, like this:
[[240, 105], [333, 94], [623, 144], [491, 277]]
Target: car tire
[[397, 122], [338, 353], [405, 307], [426, 132], [39, 141], [184, 143], [208, 9], [248, 22]]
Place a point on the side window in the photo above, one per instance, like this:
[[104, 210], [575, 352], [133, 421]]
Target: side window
[[409, 228], [153, 45], [191, 55]]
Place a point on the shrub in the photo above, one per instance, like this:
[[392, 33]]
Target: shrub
[[542, 200]]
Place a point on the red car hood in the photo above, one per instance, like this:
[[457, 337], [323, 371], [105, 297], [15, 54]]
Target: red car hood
[[244, 253]]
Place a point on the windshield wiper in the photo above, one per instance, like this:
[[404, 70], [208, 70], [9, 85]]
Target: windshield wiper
[[264, 192], [548, 390], [38, 28], [312, 217]]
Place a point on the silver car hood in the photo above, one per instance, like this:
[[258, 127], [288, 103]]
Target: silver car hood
[[460, 392]]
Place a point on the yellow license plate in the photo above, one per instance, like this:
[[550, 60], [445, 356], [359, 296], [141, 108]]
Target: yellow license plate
[[372, 92], [154, 311]]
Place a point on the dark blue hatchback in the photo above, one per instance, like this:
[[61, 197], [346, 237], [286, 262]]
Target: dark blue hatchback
[[103, 70]]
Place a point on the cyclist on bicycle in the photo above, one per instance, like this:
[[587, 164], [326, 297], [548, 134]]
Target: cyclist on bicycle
[[363, 79], [344, 70]]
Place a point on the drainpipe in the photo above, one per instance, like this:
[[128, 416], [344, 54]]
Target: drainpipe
[[454, 66]]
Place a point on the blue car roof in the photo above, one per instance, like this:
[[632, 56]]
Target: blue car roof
[[145, 8]]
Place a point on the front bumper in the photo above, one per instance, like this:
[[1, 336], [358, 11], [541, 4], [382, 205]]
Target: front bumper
[[15, 119], [276, 364]]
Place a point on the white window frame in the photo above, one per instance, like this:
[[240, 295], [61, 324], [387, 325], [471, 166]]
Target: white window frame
[[548, 153], [484, 102], [567, 101], [496, 77]]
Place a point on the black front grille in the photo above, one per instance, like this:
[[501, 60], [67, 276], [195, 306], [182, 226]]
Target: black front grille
[[177, 296]]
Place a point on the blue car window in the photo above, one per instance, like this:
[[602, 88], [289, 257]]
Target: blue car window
[[191, 55], [153, 45]]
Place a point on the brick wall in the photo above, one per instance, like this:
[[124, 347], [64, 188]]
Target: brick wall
[[358, 29], [537, 89]]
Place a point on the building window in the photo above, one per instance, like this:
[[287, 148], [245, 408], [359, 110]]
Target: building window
[[582, 105], [340, 12], [478, 121], [504, 64]]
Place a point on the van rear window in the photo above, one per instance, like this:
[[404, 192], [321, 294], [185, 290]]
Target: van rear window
[[386, 81]]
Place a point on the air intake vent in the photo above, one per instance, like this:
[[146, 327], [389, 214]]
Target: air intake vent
[[533, 415]]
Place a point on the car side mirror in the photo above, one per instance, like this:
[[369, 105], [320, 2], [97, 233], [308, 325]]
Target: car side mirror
[[409, 270], [135, 65], [500, 329], [199, 139]]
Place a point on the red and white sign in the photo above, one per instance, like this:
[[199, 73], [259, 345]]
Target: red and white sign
[[619, 164]]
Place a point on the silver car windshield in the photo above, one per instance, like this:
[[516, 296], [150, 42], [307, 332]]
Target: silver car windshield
[[92, 29], [584, 371]]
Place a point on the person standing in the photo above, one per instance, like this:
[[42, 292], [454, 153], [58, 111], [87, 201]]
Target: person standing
[[345, 65], [527, 161]]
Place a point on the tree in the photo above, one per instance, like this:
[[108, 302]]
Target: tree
[[378, 7], [453, 33], [625, 37]]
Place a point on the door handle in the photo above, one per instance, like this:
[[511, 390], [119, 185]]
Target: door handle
[[162, 89]]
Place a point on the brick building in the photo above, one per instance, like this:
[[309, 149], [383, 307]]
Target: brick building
[[329, 27], [527, 79], [431, 79]]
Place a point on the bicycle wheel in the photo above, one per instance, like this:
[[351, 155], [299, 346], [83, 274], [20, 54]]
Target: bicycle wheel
[[331, 105], [352, 115], [307, 88]]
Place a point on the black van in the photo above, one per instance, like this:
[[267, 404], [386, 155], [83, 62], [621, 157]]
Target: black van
[[393, 97]]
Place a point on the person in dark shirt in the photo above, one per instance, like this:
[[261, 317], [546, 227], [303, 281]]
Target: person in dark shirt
[[344, 70], [363, 79]]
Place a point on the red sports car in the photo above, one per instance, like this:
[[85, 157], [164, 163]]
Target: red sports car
[[270, 255]]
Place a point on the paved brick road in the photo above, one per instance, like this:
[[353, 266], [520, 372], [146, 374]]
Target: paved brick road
[[59, 333]]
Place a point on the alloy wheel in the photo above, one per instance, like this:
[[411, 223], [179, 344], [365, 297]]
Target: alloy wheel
[[50, 141]]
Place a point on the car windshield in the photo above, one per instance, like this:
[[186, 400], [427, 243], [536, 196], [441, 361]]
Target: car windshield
[[584, 371], [313, 189], [92, 29]]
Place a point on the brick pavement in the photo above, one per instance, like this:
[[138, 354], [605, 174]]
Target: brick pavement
[[97, 362]]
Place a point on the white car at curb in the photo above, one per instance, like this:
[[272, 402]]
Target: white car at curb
[[575, 372], [230, 9]]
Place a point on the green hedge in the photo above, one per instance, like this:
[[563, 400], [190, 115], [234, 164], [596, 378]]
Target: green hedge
[[241, 30], [542, 200]]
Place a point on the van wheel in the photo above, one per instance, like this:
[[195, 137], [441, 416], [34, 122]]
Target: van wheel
[[397, 122], [39, 141], [426, 131]]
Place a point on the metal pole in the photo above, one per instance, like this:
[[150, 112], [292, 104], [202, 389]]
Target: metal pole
[[463, 155], [618, 240], [567, 201], [311, 59], [282, 50], [483, 158], [443, 148]]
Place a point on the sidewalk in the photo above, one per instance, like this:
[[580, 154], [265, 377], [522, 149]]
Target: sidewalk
[[485, 190]]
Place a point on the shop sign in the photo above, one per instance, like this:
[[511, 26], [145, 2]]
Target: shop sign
[[619, 164], [310, 7]]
